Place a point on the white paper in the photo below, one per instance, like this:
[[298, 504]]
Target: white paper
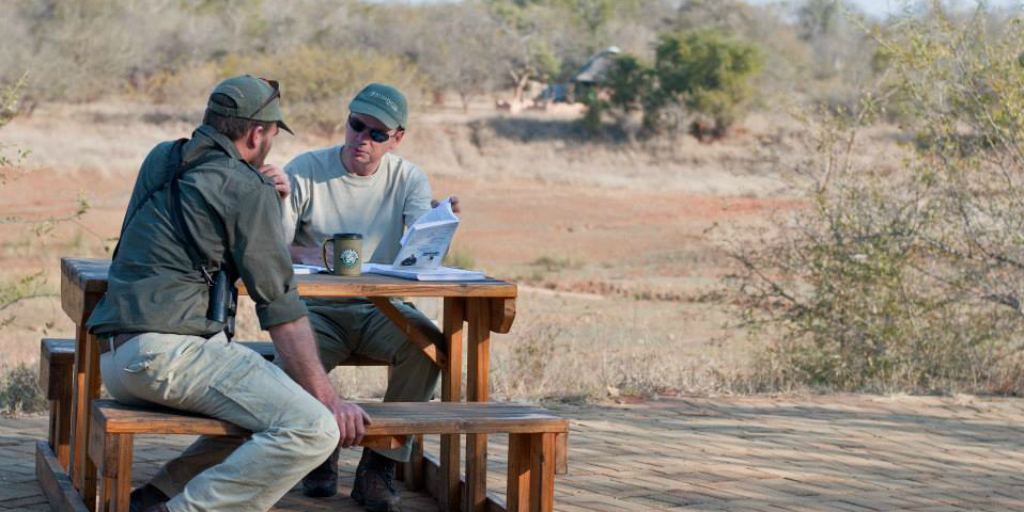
[[300, 269], [426, 241], [436, 274]]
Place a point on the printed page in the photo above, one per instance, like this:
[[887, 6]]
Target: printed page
[[425, 246], [441, 214], [426, 242]]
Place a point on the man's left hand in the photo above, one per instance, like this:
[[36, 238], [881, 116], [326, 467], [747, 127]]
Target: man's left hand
[[279, 178], [455, 204]]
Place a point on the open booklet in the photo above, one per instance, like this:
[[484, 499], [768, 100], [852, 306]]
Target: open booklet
[[424, 246], [430, 274], [426, 241], [436, 274]]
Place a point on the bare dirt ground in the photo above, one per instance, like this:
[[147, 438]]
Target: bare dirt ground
[[613, 246]]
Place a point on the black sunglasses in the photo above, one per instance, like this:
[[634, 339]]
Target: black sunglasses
[[376, 135], [276, 94]]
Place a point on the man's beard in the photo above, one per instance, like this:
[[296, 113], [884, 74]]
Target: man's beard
[[261, 155]]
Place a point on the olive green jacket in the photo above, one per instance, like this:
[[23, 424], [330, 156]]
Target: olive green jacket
[[234, 214]]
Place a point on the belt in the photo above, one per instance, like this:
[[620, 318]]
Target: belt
[[112, 342]]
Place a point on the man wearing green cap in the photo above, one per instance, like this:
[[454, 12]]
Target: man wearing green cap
[[361, 186], [201, 214]]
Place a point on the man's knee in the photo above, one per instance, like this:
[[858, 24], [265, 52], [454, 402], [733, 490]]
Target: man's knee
[[319, 431], [331, 435]]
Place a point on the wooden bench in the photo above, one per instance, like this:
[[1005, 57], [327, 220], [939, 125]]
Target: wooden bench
[[532, 432], [56, 365], [56, 362]]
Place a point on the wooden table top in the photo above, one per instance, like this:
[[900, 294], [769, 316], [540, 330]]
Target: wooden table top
[[84, 280]]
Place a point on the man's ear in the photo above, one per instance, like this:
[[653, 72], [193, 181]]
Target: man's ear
[[398, 136], [252, 139]]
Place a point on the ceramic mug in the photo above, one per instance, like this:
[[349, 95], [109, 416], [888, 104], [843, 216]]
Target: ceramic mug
[[348, 254]]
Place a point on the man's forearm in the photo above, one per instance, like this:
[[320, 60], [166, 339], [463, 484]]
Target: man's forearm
[[307, 255], [297, 349]]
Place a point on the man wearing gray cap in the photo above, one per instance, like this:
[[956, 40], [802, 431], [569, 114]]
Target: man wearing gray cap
[[362, 187], [201, 216]]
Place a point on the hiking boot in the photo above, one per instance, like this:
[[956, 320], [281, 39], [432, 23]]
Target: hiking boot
[[374, 487], [146, 499], [322, 482]]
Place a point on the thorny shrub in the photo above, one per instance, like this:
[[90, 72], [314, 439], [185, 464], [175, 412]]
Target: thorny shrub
[[907, 279]]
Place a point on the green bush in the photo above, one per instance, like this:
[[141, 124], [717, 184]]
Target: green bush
[[708, 73], [704, 72], [629, 84]]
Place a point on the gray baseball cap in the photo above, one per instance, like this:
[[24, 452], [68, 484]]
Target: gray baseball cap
[[383, 102], [257, 99]]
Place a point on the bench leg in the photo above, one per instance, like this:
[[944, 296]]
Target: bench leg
[[112, 454], [531, 472], [60, 417], [53, 437], [562, 453]]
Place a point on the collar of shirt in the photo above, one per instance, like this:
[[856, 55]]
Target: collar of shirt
[[206, 138]]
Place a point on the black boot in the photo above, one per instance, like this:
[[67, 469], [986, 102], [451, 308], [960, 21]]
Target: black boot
[[147, 498], [322, 482], [374, 487]]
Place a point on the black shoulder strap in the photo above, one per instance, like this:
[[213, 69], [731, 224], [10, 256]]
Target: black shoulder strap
[[178, 218]]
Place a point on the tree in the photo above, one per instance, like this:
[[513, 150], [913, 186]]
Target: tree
[[525, 41], [824, 26], [708, 73], [449, 62]]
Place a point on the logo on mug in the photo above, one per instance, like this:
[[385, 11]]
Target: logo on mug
[[349, 258]]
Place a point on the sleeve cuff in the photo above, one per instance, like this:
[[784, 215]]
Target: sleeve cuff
[[284, 309]]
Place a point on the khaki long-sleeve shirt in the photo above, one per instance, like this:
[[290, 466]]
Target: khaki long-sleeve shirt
[[234, 215]]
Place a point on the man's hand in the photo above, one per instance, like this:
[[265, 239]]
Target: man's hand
[[455, 204], [279, 178], [310, 255], [294, 344], [352, 422]]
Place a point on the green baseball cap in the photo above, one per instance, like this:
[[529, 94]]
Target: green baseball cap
[[257, 99], [384, 103]]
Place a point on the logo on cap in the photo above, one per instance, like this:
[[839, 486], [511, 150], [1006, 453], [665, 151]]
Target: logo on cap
[[387, 100]]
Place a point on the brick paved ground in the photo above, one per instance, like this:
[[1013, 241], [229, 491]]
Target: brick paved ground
[[842, 453]]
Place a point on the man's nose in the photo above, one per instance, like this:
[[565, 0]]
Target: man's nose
[[363, 136]]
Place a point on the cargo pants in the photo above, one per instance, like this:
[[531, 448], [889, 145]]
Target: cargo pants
[[356, 326], [292, 432]]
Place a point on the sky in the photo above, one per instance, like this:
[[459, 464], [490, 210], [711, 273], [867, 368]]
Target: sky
[[882, 8], [877, 8]]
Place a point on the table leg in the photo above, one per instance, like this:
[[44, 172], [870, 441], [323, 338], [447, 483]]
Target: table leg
[[451, 391], [86, 389], [477, 390], [412, 471]]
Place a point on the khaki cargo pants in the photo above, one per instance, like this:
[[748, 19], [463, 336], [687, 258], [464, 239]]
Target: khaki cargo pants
[[356, 326], [292, 432]]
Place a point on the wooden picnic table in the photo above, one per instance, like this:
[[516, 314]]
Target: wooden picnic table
[[481, 307]]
